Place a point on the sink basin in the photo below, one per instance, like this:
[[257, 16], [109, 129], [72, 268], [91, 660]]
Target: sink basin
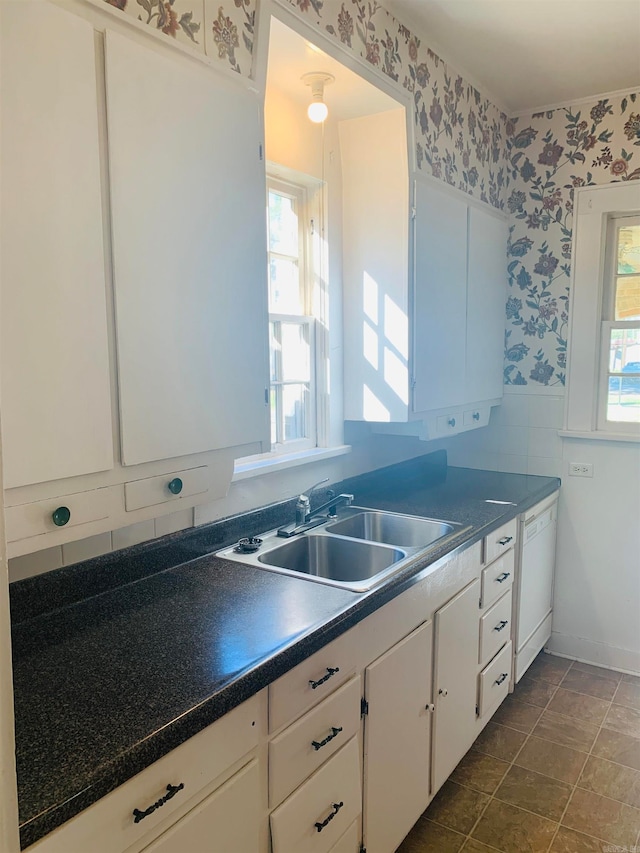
[[357, 551], [404, 531], [334, 559]]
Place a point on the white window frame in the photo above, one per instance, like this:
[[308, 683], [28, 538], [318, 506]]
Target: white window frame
[[609, 323], [291, 453], [594, 208]]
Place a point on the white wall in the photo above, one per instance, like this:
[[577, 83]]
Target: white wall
[[597, 597]]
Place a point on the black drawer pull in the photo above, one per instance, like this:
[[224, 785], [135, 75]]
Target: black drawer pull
[[336, 808], [318, 744], [505, 540], [502, 578], [330, 671], [502, 678], [501, 625], [172, 790]]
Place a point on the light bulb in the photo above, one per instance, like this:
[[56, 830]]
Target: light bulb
[[317, 111]]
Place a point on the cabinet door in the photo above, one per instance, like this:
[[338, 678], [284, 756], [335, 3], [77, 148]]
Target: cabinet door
[[227, 821], [189, 243], [397, 740], [56, 397], [456, 664], [440, 294], [486, 298]]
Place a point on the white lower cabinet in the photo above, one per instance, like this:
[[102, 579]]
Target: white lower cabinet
[[226, 821], [456, 665], [318, 813], [397, 740]]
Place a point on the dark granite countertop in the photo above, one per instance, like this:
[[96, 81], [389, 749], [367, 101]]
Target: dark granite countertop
[[121, 659]]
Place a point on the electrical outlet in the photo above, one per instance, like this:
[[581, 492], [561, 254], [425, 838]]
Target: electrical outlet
[[580, 469]]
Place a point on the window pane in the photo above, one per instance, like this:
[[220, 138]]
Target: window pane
[[624, 350], [623, 398], [627, 297], [285, 296], [629, 249], [296, 355], [295, 406], [283, 224]]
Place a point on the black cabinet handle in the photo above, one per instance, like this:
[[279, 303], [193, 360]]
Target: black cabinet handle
[[476, 416], [502, 578], [318, 744], [505, 540], [172, 790], [330, 672], [175, 486], [61, 516], [451, 422], [501, 625], [502, 678], [320, 825]]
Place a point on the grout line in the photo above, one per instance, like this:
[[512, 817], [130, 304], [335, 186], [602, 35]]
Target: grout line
[[528, 735], [511, 764]]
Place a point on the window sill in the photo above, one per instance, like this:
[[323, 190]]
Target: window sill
[[271, 462], [593, 435]]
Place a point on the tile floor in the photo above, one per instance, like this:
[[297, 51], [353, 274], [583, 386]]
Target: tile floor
[[557, 770]]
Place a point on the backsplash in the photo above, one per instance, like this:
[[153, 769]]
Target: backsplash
[[551, 153]]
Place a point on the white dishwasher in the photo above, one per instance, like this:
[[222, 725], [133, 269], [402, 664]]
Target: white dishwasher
[[534, 582]]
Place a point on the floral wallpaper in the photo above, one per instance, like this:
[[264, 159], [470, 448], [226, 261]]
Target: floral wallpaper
[[550, 154], [460, 135]]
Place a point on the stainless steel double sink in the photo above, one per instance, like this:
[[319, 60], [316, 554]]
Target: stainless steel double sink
[[358, 550]]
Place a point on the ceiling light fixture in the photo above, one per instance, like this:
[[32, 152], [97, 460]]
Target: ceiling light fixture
[[317, 109]]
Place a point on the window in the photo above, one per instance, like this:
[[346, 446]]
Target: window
[[291, 322], [620, 338], [603, 391]]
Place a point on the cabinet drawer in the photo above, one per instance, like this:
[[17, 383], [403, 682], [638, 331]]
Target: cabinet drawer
[[300, 749], [476, 417], [497, 578], [315, 816], [448, 423], [495, 628], [494, 682], [35, 519], [316, 677], [165, 488], [500, 540], [109, 825], [350, 841], [233, 809]]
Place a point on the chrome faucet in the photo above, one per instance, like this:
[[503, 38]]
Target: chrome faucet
[[303, 506], [305, 519]]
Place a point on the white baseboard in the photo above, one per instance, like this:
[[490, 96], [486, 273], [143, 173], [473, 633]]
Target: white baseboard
[[598, 654]]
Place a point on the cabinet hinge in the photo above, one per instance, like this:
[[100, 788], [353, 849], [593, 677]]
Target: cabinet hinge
[[260, 154], [477, 710], [266, 396], [413, 382], [364, 707], [363, 849]]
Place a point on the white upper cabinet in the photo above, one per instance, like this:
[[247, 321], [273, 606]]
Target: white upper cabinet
[[423, 341], [460, 294], [440, 299], [56, 403], [189, 247], [486, 300]]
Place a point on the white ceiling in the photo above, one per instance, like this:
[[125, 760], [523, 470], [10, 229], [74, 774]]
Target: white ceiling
[[291, 56], [528, 54]]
